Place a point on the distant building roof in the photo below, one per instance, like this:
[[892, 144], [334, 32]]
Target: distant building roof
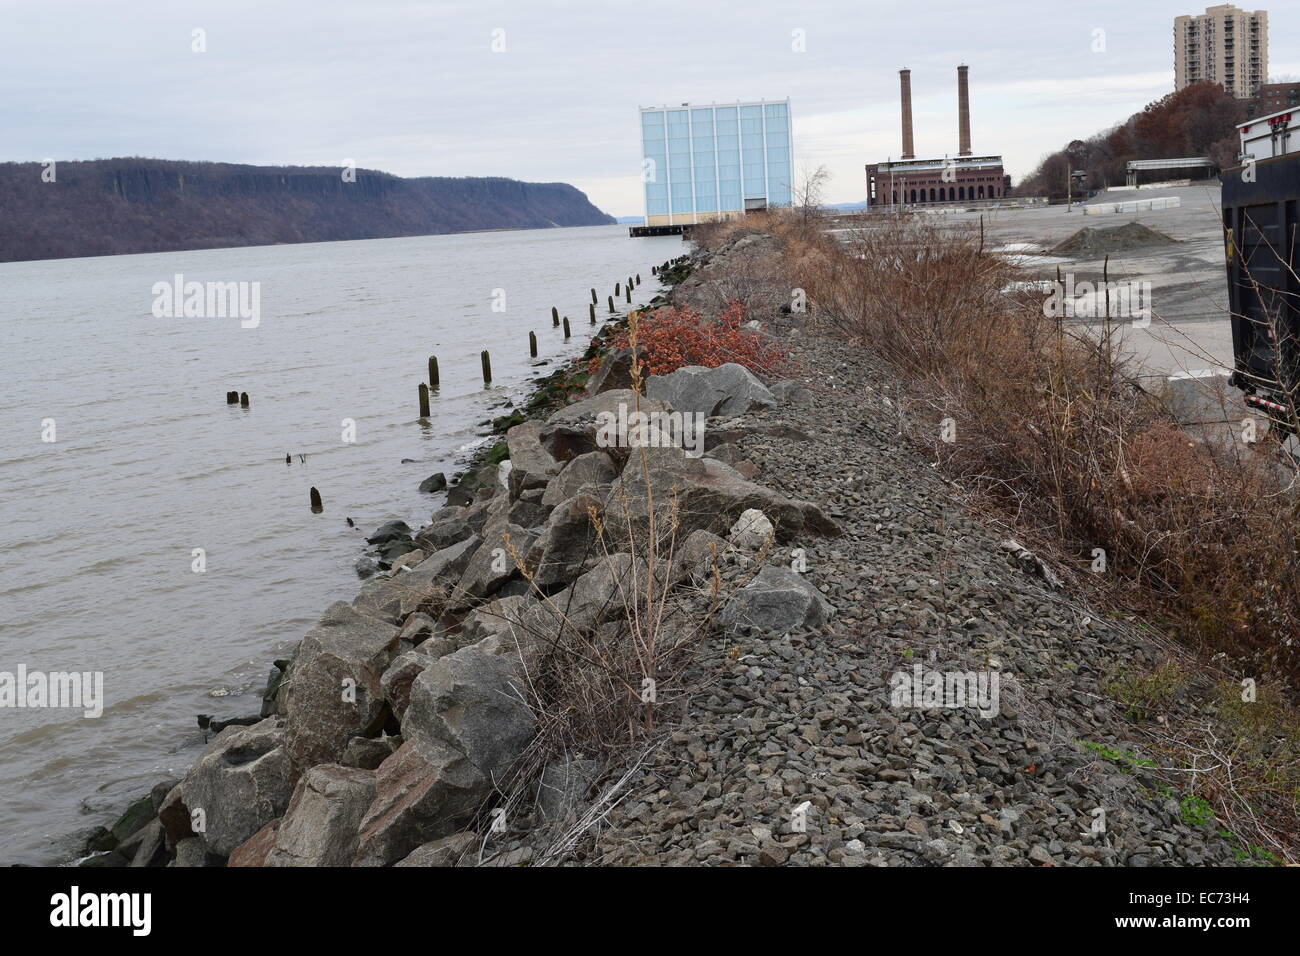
[[937, 165]]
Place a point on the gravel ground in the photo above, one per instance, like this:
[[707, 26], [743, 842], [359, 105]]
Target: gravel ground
[[806, 718]]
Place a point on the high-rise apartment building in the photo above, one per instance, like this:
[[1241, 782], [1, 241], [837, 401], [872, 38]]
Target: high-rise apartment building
[[1224, 45], [703, 163]]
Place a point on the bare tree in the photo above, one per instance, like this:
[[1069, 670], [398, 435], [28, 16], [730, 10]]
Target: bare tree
[[809, 191]]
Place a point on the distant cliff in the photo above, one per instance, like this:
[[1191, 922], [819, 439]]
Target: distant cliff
[[115, 206]]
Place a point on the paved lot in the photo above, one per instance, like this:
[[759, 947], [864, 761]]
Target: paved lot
[[1189, 330]]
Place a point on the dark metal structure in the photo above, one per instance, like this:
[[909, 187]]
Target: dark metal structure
[[1261, 201]]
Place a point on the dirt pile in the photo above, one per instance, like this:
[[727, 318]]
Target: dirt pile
[[1100, 242]]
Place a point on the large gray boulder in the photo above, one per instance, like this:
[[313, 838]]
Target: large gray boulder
[[496, 618], [426, 790], [427, 586], [592, 473], [729, 389], [492, 565], [573, 430], [453, 524], [600, 593], [398, 678], [695, 559], [777, 600], [475, 703], [321, 824], [568, 539], [389, 531], [752, 530], [703, 494], [527, 452], [253, 851], [334, 690], [615, 371], [241, 783], [529, 514], [193, 852], [367, 753]]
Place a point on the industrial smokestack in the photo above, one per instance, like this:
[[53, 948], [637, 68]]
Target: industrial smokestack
[[963, 110], [905, 90]]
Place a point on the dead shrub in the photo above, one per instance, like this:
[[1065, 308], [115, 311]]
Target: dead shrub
[[1051, 422]]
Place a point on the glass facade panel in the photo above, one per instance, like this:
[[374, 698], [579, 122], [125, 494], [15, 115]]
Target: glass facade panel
[[706, 160]]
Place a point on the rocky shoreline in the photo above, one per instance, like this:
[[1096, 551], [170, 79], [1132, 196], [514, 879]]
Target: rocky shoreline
[[835, 572], [152, 830]]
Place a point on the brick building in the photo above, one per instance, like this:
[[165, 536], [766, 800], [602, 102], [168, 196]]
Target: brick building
[[961, 179], [1273, 98]]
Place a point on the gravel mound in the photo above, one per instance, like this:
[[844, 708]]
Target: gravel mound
[[1099, 242]]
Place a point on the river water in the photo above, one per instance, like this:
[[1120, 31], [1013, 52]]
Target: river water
[[147, 463]]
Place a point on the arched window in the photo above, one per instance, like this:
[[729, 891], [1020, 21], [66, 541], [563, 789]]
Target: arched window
[[913, 195], [931, 194], [895, 202], [981, 190], [961, 192]]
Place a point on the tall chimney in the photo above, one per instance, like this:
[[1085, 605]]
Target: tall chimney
[[963, 110], [905, 90]]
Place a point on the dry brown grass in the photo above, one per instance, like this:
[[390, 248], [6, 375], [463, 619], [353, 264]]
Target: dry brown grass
[[1054, 429], [1051, 422]]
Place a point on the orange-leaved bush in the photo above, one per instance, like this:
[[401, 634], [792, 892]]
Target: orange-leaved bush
[[674, 336]]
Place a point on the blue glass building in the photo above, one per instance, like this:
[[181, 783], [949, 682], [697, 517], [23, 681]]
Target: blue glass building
[[701, 163]]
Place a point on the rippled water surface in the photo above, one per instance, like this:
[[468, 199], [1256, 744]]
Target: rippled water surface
[[149, 463]]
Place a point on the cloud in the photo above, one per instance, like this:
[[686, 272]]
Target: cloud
[[415, 89]]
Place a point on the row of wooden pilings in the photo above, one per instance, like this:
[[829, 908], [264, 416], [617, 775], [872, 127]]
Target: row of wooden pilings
[[485, 360]]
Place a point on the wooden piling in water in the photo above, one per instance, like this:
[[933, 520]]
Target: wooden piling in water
[[243, 399], [566, 327], [487, 367], [433, 372], [424, 400], [594, 300], [611, 303], [316, 506], [232, 398], [629, 293], [638, 278], [532, 344], [616, 289], [555, 317], [592, 309]]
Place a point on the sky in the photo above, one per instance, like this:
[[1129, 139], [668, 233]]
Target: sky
[[548, 90]]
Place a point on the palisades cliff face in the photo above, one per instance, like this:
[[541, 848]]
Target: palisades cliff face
[[54, 210]]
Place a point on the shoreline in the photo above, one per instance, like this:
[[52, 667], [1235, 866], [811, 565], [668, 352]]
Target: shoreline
[[101, 846], [831, 588]]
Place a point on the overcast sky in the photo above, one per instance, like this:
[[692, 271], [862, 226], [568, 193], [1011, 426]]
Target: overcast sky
[[415, 88]]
